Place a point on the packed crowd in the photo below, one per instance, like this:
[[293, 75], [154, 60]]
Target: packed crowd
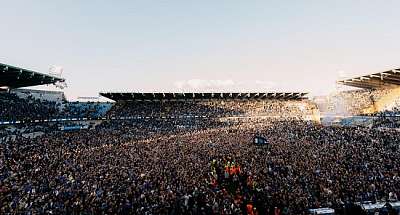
[[84, 109], [192, 157], [386, 119], [15, 108], [353, 102], [389, 117], [364, 103], [217, 108], [159, 167]]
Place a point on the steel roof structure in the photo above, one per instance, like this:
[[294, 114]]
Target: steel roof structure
[[15, 77], [124, 96], [380, 80]]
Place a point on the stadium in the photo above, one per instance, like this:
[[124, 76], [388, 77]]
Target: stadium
[[200, 152], [205, 107]]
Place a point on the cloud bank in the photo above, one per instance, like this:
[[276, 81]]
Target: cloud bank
[[227, 85]]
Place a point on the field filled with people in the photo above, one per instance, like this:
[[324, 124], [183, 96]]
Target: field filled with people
[[214, 168]]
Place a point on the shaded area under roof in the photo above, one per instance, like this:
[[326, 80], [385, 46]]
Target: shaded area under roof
[[380, 80], [15, 77], [118, 96]]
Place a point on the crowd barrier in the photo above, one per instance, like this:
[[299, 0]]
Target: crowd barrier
[[368, 207]]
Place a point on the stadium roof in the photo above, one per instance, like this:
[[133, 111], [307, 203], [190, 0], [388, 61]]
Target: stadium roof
[[15, 77], [116, 96], [389, 78]]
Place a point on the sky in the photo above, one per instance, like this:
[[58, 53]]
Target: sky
[[223, 45]]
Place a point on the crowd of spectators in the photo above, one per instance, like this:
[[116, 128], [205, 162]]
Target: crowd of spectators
[[353, 102], [195, 157], [159, 167], [85, 109], [15, 108], [28, 109], [389, 117], [363, 103], [215, 108]]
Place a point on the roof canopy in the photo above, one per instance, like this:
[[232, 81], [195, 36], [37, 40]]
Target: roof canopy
[[116, 96], [389, 78], [14, 77]]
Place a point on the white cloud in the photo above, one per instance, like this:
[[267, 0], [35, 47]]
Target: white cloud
[[223, 85], [265, 84], [201, 84], [342, 74]]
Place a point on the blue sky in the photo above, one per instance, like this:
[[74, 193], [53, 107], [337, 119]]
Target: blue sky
[[201, 45]]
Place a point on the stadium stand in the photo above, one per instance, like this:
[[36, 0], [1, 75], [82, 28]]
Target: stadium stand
[[92, 110], [21, 105], [380, 91], [27, 108], [13, 108], [276, 105], [193, 153], [42, 95], [379, 98], [353, 102], [26, 105]]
